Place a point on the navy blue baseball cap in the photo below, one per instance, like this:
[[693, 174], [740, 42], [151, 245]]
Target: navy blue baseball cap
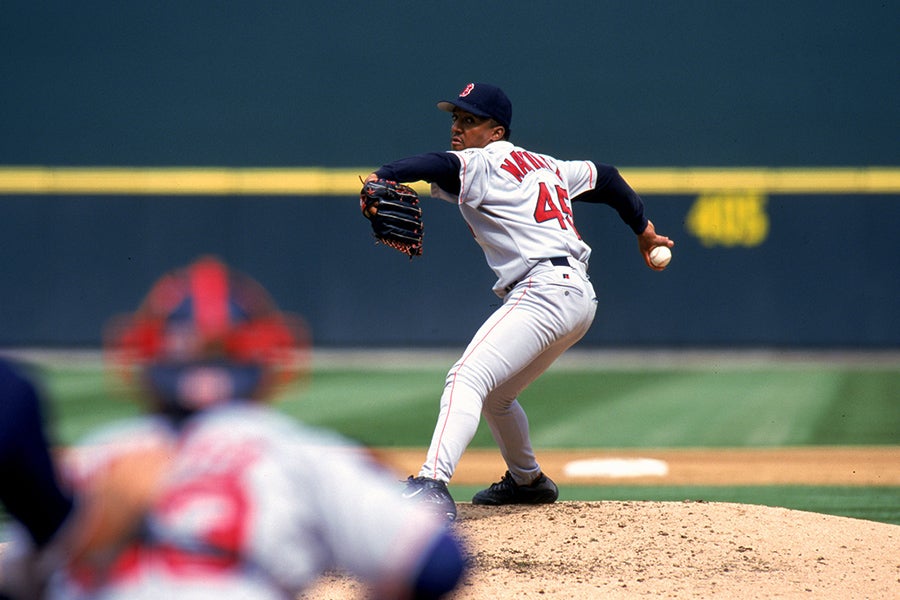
[[483, 100]]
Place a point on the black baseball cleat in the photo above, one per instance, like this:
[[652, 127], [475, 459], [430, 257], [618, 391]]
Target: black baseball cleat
[[433, 494], [506, 491]]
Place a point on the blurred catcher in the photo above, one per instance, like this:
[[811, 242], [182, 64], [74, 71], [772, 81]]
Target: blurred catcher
[[206, 335], [229, 498]]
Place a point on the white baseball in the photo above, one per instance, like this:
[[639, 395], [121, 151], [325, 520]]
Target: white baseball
[[660, 256]]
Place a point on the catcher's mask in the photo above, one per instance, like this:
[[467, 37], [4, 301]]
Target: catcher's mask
[[204, 335]]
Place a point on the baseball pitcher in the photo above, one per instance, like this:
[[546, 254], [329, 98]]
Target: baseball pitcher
[[519, 206]]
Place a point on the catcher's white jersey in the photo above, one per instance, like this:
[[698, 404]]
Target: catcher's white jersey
[[256, 507], [518, 205]]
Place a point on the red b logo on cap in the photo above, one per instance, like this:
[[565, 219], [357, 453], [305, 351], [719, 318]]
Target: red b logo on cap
[[468, 90]]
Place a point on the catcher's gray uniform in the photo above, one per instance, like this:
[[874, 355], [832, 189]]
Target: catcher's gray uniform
[[256, 507]]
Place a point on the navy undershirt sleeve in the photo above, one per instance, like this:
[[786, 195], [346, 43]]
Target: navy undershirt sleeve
[[441, 168], [613, 190]]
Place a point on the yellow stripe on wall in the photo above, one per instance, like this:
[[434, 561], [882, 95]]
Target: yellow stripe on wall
[[179, 181], [846, 180], [310, 181]]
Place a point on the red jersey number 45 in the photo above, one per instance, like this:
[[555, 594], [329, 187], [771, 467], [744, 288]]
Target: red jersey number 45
[[549, 208]]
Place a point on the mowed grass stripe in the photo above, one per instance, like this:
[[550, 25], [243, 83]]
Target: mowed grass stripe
[[674, 408], [866, 406], [571, 408], [377, 408], [82, 398]]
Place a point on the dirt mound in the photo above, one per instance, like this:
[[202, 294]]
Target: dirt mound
[[667, 549]]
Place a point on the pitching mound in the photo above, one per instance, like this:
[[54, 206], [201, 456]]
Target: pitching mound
[[667, 549]]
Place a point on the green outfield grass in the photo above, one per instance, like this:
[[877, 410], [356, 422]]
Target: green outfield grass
[[870, 503], [757, 407], [762, 405]]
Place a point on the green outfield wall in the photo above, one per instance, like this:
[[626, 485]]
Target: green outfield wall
[[763, 137], [750, 268]]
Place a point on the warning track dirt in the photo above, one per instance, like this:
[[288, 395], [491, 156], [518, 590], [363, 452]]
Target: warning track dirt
[[840, 466]]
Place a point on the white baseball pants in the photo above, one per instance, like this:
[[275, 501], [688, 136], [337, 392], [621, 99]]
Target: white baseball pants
[[540, 318]]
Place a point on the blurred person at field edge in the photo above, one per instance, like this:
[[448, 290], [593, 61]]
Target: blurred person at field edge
[[29, 487], [243, 501], [49, 525]]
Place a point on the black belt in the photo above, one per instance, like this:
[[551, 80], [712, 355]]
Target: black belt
[[556, 261]]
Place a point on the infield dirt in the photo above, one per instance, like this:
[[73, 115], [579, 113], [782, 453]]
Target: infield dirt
[[623, 550]]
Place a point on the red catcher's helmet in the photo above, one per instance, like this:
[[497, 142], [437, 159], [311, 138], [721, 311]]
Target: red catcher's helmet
[[204, 335]]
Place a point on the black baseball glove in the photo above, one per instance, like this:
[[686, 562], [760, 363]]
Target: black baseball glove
[[393, 211]]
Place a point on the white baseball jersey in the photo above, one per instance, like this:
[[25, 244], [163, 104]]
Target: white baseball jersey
[[256, 507], [518, 205]]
